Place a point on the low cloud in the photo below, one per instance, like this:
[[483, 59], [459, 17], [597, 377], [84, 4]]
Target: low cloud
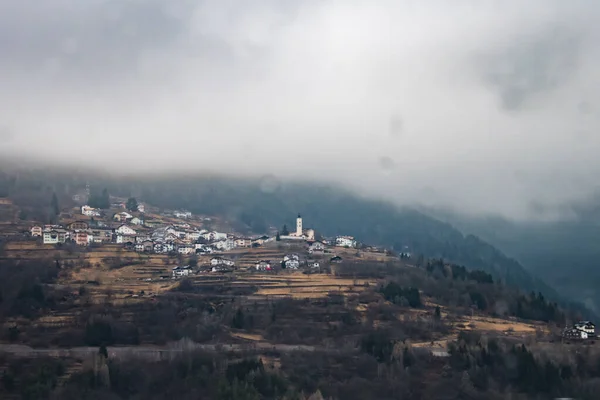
[[481, 106]]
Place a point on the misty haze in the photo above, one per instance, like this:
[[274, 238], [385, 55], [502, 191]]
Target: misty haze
[[299, 200], [484, 107]]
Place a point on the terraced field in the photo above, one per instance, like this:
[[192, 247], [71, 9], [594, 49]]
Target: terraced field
[[134, 286]]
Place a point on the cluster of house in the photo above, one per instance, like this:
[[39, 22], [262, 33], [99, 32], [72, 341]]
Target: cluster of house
[[222, 264], [140, 235], [180, 238], [217, 264], [146, 236], [79, 232], [581, 330]]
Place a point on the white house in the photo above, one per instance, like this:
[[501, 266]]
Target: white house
[[221, 261], [186, 249], [263, 265], [137, 221], [345, 241], [291, 264], [178, 272], [163, 248], [225, 244], [90, 211], [168, 247], [316, 247], [36, 231], [175, 231], [192, 235], [586, 326], [171, 230], [170, 238], [142, 238], [204, 248], [243, 242], [290, 237], [212, 236], [141, 208], [122, 216], [54, 236], [125, 230], [122, 238], [575, 334], [182, 214]]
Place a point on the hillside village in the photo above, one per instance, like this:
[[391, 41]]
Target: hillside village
[[179, 232]]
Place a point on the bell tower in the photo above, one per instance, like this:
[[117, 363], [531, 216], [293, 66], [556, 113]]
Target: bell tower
[[299, 226]]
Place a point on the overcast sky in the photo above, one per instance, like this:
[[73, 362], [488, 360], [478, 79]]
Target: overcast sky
[[482, 105]]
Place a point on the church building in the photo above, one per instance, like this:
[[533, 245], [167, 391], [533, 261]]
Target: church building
[[308, 234]]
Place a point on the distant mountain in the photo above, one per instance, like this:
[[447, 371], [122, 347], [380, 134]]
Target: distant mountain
[[565, 253]]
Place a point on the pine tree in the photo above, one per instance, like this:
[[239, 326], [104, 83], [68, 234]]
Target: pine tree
[[105, 199], [54, 205], [100, 201], [285, 231], [132, 204], [238, 319], [103, 351], [277, 237]]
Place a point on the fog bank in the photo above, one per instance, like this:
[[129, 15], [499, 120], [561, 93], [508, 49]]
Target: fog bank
[[482, 106]]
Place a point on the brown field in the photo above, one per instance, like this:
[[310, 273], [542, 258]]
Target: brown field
[[145, 271], [150, 274], [247, 336], [501, 325], [298, 285]]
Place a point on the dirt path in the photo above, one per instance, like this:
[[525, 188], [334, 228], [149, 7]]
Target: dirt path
[[156, 352]]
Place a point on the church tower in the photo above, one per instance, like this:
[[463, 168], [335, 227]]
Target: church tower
[[299, 226]]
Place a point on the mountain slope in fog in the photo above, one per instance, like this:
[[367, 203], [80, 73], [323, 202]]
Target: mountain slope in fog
[[565, 253]]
